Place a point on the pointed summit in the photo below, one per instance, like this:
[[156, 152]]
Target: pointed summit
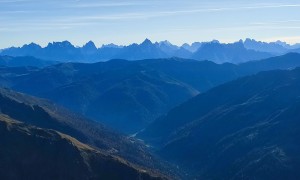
[[167, 47], [146, 42], [90, 43], [90, 46]]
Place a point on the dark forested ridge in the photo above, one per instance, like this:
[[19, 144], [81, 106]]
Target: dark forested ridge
[[46, 115], [28, 152]]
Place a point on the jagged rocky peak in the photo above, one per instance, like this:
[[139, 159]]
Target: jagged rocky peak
[[90, 45], [239, 44], [146, 42], [62, 44], [31, 45]]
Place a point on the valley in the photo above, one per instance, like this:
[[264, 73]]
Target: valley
[[155, 118]]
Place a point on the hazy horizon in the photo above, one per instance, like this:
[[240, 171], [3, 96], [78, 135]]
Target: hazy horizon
[[128, 21], [179, 45]]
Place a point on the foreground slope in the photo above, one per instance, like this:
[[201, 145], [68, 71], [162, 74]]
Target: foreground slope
[[248, 128], [44, 114], [29, 152]]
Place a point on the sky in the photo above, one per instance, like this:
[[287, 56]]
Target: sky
[[128, 21]]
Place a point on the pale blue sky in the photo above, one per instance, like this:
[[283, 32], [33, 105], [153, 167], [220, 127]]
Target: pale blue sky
[[128, 21]]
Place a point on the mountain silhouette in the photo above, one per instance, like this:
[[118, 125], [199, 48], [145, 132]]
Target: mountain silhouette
[[145, 50], [215, 51], [272, 47], [234, 53]]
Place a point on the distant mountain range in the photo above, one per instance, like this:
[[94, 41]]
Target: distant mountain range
[[215, 51], [245, 129], [233, 53], [128, 95]]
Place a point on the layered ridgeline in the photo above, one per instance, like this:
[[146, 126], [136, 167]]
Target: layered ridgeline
[[22, 61], [128, 95], [34, 145], [237, 52], [28, 152], [233, 53], [245, 129]]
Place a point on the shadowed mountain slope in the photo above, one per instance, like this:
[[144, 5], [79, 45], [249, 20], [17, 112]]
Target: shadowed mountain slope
[[248, 128], [28, 152], [43, 114]]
